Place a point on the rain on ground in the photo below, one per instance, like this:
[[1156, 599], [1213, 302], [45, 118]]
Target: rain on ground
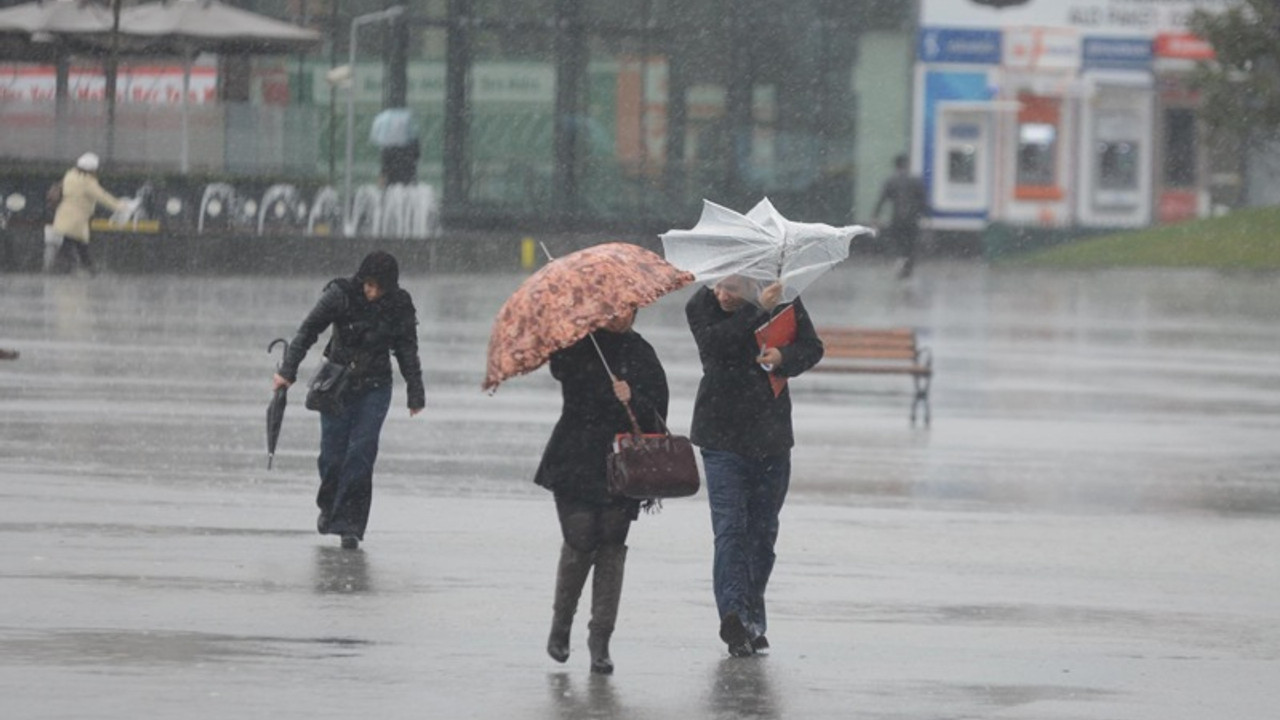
[[1087, 530]]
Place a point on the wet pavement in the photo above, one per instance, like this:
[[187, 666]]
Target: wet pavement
[[1087, 530]]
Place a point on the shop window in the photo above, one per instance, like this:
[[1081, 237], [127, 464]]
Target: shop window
[[1179, 148]]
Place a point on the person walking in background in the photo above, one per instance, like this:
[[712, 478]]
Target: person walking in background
[[744, 433], [80, 196], [907, 195], [372, 318], [594, 523]]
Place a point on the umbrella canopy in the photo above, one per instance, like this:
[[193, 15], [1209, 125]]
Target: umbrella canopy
[[568, 298], [762, 245], [37, 30], [275, 409], [55, 17], [393, 126], [189, 27], [185, 26]]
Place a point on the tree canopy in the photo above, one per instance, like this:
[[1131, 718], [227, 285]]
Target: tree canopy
[[1241, 89]]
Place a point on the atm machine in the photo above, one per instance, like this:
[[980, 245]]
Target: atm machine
[[962, 160], [1037, 168], [1116, 162]]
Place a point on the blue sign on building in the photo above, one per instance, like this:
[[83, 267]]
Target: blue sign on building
[[951, 45], [1117, 53]]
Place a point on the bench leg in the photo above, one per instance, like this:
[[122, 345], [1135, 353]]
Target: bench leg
[[921, 399]]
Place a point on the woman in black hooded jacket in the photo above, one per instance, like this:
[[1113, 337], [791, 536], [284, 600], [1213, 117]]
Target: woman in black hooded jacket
[[594, 523], [372, 318]]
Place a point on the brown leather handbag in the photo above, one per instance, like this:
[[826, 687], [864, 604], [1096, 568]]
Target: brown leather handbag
[[652, 466]]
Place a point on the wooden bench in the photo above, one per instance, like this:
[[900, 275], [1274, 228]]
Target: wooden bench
[[879, 351]]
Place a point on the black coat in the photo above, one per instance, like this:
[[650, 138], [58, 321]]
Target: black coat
[[573, 463], [364, 335], [735, 410]]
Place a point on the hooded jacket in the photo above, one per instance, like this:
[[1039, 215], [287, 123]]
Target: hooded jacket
[[364, 336], [573, 462], [81, 194], [735, 410]]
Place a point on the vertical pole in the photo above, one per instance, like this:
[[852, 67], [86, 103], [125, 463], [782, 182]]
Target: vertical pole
[[457, 66], [347, 199], [570, 50], [737, 110], [62, 85], [112, 70], [398, 63], [333, 94], [187, 58], [677, 119]]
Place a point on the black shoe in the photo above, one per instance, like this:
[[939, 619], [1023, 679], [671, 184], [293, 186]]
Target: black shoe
[[759, 643], [350, 542], [735, 635]]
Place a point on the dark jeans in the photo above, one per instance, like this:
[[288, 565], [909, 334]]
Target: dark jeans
[[746, 496], [906, 239], [348, 449], [586, 527]]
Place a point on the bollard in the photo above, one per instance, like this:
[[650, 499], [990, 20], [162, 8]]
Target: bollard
[[527, 252]]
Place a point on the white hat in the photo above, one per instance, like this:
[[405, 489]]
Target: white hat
[[88, 162]]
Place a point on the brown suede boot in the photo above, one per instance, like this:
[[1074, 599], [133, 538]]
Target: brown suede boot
[[606, 593], [571, 575]]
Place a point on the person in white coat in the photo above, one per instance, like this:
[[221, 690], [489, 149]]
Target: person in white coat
[[81, 194]]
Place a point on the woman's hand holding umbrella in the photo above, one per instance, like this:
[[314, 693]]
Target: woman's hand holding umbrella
[[771, 296]]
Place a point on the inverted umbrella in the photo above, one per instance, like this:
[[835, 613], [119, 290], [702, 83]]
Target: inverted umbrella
[[568, 298], [762, 246], [275, 410]]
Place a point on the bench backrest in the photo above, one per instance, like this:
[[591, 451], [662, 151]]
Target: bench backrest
[[869, 344]]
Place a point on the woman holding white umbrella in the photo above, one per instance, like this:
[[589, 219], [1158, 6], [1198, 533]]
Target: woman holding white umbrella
[[756, 265]]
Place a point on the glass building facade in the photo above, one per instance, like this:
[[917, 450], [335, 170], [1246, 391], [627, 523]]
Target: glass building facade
[[587, 112]]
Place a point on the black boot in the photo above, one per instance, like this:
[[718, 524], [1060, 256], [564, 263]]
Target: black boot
[[606, 592], [571, 575]]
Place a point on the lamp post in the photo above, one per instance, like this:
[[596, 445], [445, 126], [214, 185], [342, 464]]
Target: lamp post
[[373, 17]]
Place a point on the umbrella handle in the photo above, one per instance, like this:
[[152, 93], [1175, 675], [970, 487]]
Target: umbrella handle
[[272, 346], [635, 425]]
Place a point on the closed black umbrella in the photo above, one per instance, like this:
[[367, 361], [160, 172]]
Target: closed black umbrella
[[275, 411]]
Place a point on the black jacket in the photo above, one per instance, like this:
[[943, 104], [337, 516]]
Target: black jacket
[[364, 335], [735, 410], [909, 200], [573, 463]]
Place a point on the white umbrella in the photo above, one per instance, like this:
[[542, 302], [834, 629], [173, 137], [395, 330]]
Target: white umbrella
[[762, 245], [57, 17]]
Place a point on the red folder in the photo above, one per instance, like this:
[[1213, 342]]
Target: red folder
[[779, 332]]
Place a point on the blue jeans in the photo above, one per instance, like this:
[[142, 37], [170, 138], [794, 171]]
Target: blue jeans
[[348, 449], [746, 496]]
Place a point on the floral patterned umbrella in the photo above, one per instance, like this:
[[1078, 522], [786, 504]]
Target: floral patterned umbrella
[[568, 298]]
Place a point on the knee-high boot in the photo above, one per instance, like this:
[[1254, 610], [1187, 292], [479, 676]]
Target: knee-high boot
[[571, 575], [606, 592]]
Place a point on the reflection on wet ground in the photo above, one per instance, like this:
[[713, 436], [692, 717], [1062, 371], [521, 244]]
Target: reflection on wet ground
[[151, 647], [1083, 533], [341, 571]]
